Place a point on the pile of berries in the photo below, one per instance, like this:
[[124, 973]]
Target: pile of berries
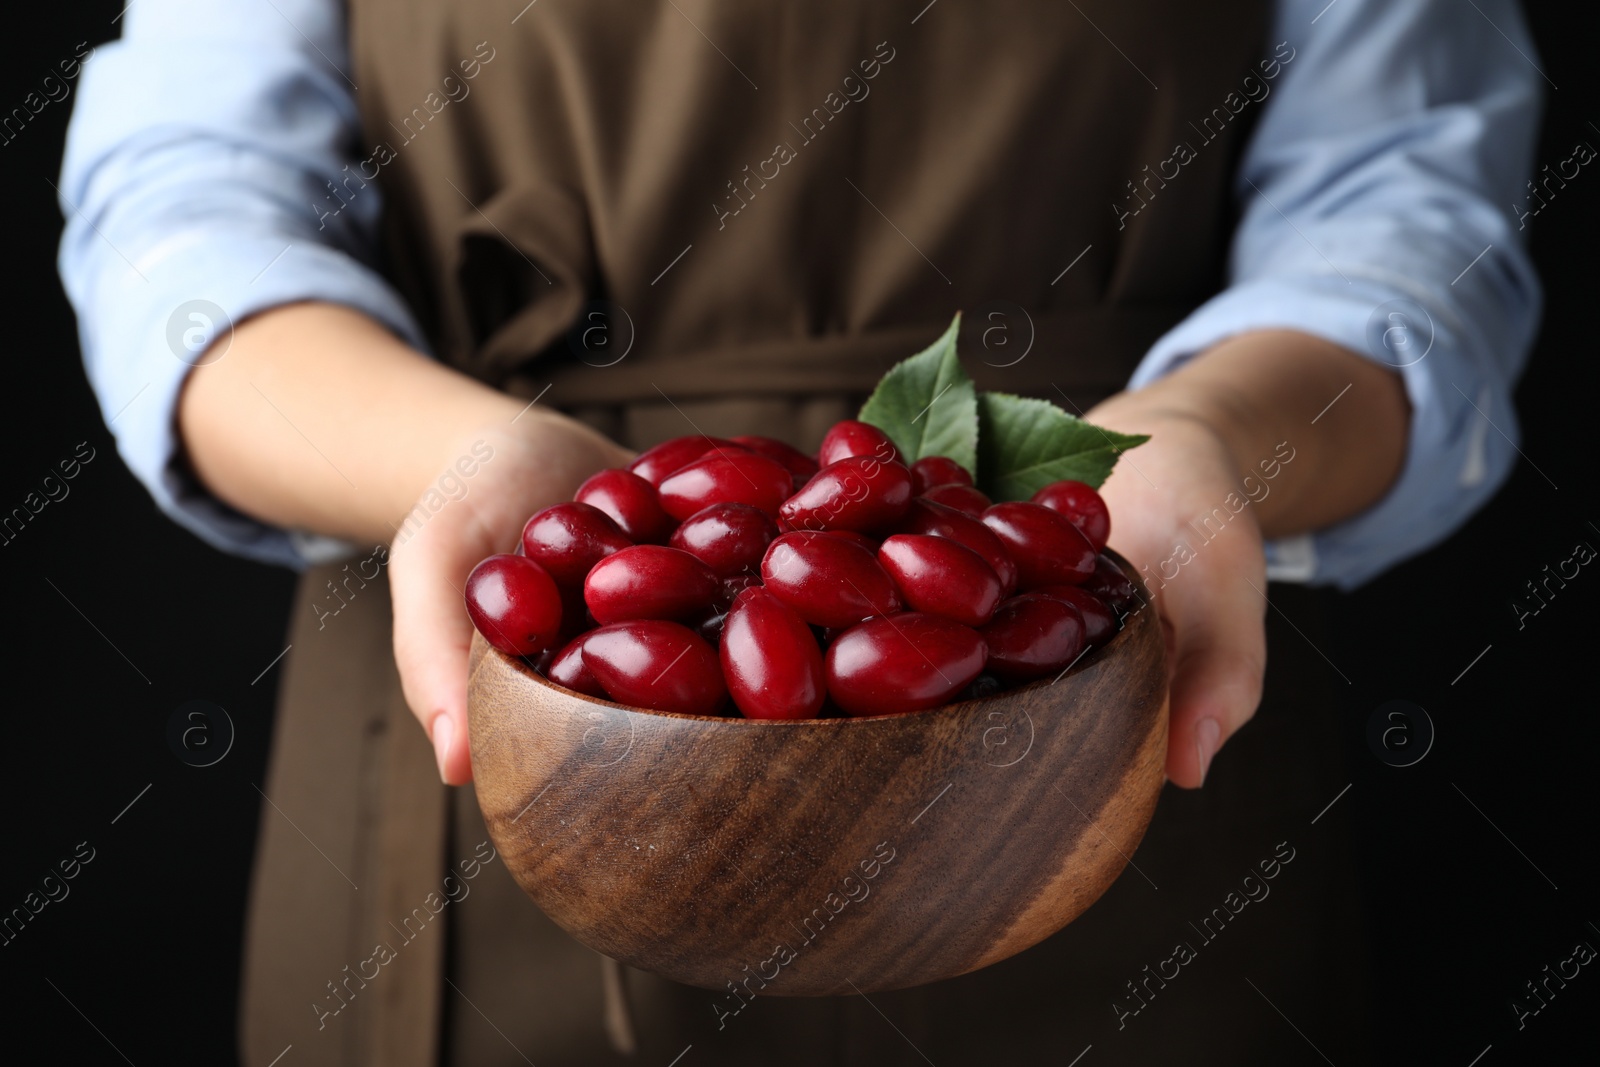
[[798, 586]]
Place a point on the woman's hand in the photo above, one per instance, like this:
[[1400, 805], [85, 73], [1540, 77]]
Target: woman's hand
[[1204, 566], [1190, 508], [318, 418], [538, 460]]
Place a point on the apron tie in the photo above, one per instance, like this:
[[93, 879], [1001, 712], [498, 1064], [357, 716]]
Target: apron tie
[[617, 1014]]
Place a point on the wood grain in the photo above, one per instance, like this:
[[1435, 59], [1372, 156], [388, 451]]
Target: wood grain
[[823, 856]]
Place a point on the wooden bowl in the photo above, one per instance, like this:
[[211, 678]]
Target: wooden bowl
[[823, 856]]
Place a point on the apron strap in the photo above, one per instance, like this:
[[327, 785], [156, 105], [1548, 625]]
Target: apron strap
[[618, 1012], [351, 847]]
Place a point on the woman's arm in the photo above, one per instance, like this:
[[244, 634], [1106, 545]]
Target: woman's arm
[[1379, 209], [196, 190], [318, 418], [1379, 249], [196, 193], [1342, 417]]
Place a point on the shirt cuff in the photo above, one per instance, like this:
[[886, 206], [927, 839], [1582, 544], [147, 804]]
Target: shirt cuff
[[160, 314], [1463, 429]]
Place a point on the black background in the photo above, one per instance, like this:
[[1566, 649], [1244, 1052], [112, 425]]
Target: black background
[[144, 953]]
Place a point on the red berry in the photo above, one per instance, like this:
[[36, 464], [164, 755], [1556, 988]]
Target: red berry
[[930, 471], [1032, 636], [569, 670], [941, 576], [1109, 583], [770, 659], [794, 461], [827, 580], [852, 438], [902, 663], [568, 539], [652, 663], [629, 500], [649, 582], [726, 477], [1048, 549], [859, 493], [1082, 506], [930, 517], [728, 538], [655, 464], [1099, 622], [966, 499], [515, 604]]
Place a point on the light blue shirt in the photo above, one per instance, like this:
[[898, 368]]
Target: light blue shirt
[[1379, 202]]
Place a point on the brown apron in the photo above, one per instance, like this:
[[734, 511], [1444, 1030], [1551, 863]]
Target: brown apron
[[774, 203]]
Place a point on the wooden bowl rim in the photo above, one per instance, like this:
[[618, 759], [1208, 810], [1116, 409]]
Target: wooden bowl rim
[[521, 666]]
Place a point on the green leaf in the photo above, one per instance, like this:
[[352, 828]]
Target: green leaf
[[1015, 446], [927, 404], [1027, 444]]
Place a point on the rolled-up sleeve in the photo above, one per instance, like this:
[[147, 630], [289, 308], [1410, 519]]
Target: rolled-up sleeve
[[210, 175], [1380, 209]]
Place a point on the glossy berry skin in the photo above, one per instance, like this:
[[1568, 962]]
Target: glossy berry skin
[[930, 517], [655, 464], [1032, 636], [827, 580], [859, 493], [851, 438], [728, 538], [726, 477], [1048, 549], [794, 461], [941, 576], [515, 604], [770, 660], [568, 669], [1082, 506], [1111, 585], [568, 539], [649, 582], [930, 471], [900, 663], [1099, 621], [655, 664], [631, 502], [967, 499]]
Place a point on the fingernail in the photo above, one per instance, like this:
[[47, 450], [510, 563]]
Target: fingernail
[[1207, 735], [443, 733]]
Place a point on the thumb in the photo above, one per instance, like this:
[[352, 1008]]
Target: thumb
[[432, 636], [1219, 656]]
